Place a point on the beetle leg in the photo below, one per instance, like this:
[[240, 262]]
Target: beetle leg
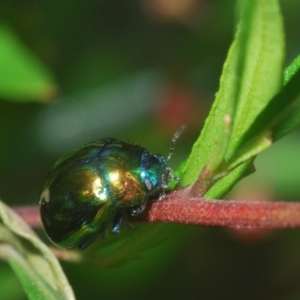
[[137, 210], [118, 220], [121, 220], [162, 195], [86, 243]]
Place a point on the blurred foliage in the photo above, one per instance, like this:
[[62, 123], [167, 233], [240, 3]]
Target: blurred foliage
[[22, 76], [167, 61]]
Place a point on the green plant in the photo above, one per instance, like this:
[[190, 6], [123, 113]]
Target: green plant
[[258, 103]]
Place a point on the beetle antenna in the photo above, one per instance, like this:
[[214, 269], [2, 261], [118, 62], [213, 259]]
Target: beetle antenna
[[174, 139]]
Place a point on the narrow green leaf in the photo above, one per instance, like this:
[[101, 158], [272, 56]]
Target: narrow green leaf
[[33, 262], [34, 285], [252, 74], [251, 149], [261, 77], [22, 76], [291, 70], [223, 186], [280, 117]]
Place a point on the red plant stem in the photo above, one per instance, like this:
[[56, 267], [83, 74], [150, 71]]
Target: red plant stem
[[31, 215], [177, 207]]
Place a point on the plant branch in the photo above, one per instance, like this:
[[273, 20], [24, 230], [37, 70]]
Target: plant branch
[[179, 207], [31, 215]]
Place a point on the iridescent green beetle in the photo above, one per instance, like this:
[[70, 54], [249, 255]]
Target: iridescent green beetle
[[91, 189]]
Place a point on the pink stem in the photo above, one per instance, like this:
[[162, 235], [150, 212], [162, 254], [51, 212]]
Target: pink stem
[[177, 207], [30, 214]]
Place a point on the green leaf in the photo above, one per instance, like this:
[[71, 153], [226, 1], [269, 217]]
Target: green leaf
[[263, 56], [22, 76], [9, 284], [280, 117], [251, 76], [123, 248], [291, 70], [128, 245], [35, 265]]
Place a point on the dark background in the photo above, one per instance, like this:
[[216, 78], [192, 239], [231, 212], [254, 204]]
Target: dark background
[[137, 70]]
